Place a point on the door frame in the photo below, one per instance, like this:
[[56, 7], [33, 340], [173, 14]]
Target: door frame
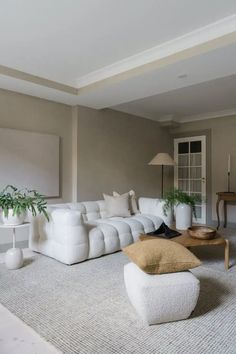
[[204, 185]]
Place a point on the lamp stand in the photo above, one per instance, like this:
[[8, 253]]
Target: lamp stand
[[228, 182], [162, 183]]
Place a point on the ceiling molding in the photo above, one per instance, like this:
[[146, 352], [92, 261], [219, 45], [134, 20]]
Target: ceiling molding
[[17, 74], [169, 121], [215, 35], [170, 124], [205, 39], [35, 90], [166, 118], [210, 115]]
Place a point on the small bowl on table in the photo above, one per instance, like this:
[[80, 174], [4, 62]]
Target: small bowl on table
[[202, 232]]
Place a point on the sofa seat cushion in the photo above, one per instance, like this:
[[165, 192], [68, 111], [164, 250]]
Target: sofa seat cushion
[[111, 234]]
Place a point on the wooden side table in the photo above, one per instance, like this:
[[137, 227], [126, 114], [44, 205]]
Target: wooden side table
[[225, 197]]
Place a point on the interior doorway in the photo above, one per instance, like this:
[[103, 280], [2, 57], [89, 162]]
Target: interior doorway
[[190, 170]]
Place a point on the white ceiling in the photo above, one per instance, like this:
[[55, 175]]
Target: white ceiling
[[126, 54], [209, 97]]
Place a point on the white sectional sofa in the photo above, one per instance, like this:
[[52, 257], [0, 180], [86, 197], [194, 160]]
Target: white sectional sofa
[[80, 231]]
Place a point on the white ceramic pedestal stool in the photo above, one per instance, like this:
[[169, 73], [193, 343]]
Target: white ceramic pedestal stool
[[14, 256], [161, 298]]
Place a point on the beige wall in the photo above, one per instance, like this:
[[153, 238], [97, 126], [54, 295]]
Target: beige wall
[[110, 150], [24, 112], [113, 154], [222, 135]]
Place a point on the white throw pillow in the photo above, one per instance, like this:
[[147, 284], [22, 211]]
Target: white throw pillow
[[117, 206], [132, 200]]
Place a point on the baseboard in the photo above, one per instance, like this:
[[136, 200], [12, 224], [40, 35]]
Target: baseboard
[[20, 244]]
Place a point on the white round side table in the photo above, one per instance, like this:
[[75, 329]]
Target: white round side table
[[14, 256]]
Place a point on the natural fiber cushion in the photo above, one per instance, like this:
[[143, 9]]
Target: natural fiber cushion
[[117, 206], [161, 256], [132, 200]]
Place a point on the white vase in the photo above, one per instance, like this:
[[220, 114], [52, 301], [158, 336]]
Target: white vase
[[183, 216], [13, 220], [168, 217]]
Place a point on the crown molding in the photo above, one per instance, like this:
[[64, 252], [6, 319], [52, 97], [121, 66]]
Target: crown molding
[[21, 75], [205, 39], [220, 33], [169, 121], [204, 116]]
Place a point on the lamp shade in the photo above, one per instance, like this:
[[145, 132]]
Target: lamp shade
[[162, 158]]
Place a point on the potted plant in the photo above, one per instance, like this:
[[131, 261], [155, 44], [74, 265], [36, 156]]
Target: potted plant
[[185, 207], [15, 203]]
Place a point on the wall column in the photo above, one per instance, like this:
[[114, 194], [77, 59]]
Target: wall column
[[74, 154]]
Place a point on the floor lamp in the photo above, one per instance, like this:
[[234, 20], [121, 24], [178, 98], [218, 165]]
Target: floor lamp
[[162, 159]]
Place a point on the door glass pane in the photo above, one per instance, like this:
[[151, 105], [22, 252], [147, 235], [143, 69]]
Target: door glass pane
[[183, 148], [196, 186], [196, 159], [195, 146], [183, 160], [184, 185], [199, 212], [195, 172], [183, 172]]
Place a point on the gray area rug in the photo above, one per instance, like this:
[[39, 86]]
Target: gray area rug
[[84, 308]]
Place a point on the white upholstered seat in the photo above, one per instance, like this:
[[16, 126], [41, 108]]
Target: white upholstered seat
[[80, 231], [161, 298]]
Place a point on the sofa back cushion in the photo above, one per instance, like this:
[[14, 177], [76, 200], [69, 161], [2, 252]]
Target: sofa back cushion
[[117, 205], [91, 210]]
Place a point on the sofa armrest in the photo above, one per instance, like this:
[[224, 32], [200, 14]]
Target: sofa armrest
[[154, 206], [64, 237]]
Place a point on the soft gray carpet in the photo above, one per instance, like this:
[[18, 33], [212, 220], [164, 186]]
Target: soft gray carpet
[[84, 308]]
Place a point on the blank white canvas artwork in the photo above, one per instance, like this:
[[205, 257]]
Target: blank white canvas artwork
[[30, 160]]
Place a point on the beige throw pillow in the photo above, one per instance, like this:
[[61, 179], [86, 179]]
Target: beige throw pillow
[[117, 206], [161, 256], [133, 201]]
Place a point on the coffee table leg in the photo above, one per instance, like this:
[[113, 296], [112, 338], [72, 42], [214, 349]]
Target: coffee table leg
[[227, 254]]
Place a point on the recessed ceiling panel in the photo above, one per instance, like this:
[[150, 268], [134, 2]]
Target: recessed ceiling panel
[[63, 40]]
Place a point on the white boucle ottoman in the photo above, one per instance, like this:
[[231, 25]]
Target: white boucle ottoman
[[161, 298]]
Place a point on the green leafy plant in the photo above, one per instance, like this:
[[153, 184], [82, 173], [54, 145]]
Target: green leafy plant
[[176, 196], [22, 200]]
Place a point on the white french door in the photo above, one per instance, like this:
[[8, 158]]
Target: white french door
[[190, 170]]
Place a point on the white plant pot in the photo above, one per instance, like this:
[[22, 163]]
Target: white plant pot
[[13, 220], [183, 216], [168, 218]]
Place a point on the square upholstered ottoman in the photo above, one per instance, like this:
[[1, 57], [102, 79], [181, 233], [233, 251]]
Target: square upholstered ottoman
[[161, 297]]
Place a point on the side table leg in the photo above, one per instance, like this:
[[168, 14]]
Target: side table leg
[[226, 254], [217, 213], [225, 213], [14, 237]]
